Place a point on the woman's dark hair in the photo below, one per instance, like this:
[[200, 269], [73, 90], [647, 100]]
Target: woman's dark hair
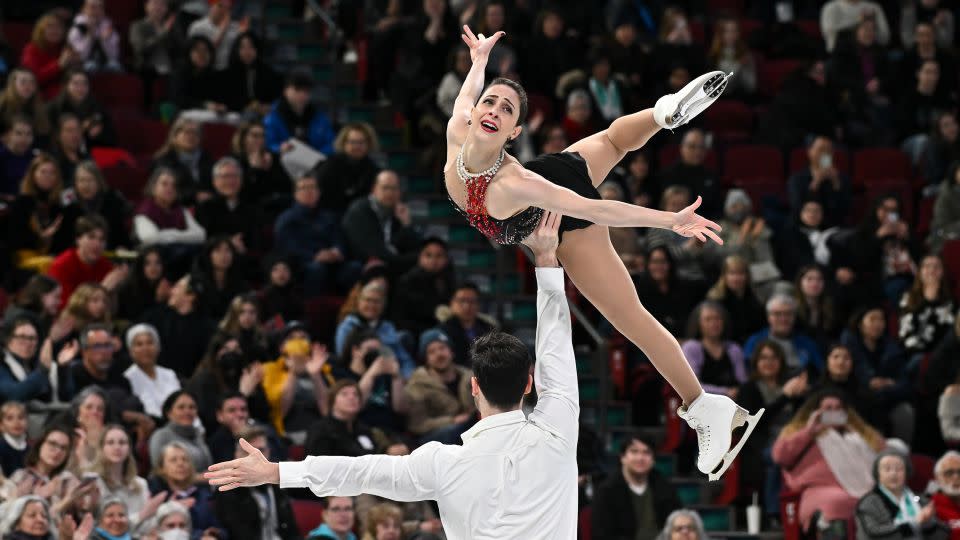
[[31, 297], [637, 437], [515, 86], [33, 453], [172, 399], [11, 328], [210, 363], [235, 50], [193, 42], [355, 339], [671, 265], [854, 323], [869, 225], [693, 323], [777, 350], [337, 388], [501, 364], [203, 265]]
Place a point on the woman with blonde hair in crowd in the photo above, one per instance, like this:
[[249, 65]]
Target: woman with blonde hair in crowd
[[183, 154], [242, 320], [90, 303], [117, 477], [733, 291], [38, 224], [349, 173], [826, 452], [729, 53], [21, 97]]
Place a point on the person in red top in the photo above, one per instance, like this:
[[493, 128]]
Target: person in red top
[[48, 55], [946, 502], [86, 263]]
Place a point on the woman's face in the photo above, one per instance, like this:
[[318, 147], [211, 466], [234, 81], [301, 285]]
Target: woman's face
[[831, 404], [552, 26], [45, 176], [886, 208], [114, 520], [20, 138], [347, 403], [255, 140], [711, 323], [23, 341], [187, 138], [683, 528], [221, 257], [280, 275], [371, 304], [433, 258], [53, 451], [53, 32], [839, 363], [14, 422], [730, 33], [579, 110], [97, 305], [735, 278], [116, 446], [177, 466], [152, 266], [873, 324], [494, 17], [78, 87], [811, 215], [52, 301], [495, 116], [355, 146], [601, 70], [200, 56], [247, 51], [86, 184], [811, 284], [247, 316], [639, 167], [144, 350], [25, 85], [34, 520], [769, 364], [892, 473], [948, 127], [184, 411], [388, 529], [461, 62], [91, 412], [658, 266], [71, 136], [931, 271], [165, 190]]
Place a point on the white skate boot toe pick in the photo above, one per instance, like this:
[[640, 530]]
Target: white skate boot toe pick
[[714, 417], [675, 110]]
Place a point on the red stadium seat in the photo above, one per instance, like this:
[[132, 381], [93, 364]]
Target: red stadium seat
[[748, 27], [671, 153], [924, 217], [799, 161], [217, 139], [585, 523], [296, 452], [17, 35], [873, 165], [725, 7], [810, 28], [118, 90], [763, 190], [308, 515], [697, 32], [752, 162], [922, 472], [154, 136], [730, 120], [951, 260], [772, 73], [129, 181]]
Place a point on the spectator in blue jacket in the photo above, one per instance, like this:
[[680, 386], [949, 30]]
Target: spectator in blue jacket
[[313, 237], [371, 306], [23, 375], [883, 371], [294, 116], [801, 351]]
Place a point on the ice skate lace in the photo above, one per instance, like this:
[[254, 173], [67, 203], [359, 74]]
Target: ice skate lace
[[703, 435]]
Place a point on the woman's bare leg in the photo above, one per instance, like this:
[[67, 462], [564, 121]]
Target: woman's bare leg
[[602, 151], [591, 262]]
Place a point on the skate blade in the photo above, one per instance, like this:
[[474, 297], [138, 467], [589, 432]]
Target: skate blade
[[739, 419], [709, 90]]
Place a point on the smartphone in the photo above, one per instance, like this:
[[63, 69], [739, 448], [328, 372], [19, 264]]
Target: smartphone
[[826, 161], [833, 418], [893, 217]]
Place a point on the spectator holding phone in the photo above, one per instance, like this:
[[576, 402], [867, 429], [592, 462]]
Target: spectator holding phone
[[821, 181], [377, 373], [95, 39], [826, 453]]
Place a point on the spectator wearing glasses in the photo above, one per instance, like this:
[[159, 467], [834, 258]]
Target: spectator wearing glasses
[[683, 525], [691, 172], [378, 226], [946, 501], [24, 376], [339, 518], [801, 351]]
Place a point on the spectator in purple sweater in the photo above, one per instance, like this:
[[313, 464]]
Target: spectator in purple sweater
[[717, 362]]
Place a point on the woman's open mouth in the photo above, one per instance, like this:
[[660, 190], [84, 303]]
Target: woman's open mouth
[[489, 126]]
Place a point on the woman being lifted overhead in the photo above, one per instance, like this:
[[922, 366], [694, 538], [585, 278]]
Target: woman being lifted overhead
[[505, 199]]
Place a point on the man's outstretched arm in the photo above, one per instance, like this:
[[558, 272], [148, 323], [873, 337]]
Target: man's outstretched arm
[[401, 478], [555, 372]]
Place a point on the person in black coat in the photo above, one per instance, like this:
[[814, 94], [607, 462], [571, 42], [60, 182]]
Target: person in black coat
[[368, 220], [77, 99], [265, 183], [464, 326], [350, 172], [918, 108], [426, 286], [91, 195], [226, 213], [252, 83], [197, 85], [341, 433], [803, 107], [183, 331], [218, 270], [183, 154], [226, 370], [635, 501], [242, 511]]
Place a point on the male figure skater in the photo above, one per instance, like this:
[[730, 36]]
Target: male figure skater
[[514, 476]]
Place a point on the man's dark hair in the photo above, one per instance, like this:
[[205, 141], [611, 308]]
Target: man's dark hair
[[515, 86], [252, 432], [300, 79], [89, 223], [501, 364], [93, 327], [465, 286], [434, 240], [227, 396], [355, 339], [637, 437]]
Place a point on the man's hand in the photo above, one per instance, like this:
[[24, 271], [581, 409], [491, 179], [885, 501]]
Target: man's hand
[[544, 240], [318, 358], [252, 470], [402, 213]]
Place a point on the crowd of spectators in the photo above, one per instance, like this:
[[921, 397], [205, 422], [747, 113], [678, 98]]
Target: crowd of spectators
[[147, 330]]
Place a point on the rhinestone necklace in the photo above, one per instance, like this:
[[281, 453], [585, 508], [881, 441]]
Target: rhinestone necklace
[[468, 177]]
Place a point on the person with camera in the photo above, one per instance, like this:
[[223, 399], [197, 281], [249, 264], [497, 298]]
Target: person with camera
[[820, 181], [826, 452], [376, 371], [440, 400]]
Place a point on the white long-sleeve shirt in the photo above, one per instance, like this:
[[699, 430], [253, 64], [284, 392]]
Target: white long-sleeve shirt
[[514, 477], [149, 234]]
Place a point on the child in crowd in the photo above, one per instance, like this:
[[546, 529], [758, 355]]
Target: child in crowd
[[13, 443]]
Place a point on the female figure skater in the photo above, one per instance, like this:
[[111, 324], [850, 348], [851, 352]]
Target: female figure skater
[[506, 199]]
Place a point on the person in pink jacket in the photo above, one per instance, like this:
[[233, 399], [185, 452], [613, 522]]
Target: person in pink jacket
[[826, 453]]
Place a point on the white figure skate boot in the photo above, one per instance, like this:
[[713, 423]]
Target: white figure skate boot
[[675, 110], [714, 417]]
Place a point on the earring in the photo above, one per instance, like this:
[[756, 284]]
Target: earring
[[469, 122]]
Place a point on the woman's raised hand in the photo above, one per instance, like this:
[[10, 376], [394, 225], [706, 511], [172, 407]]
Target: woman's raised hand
[[480, 46], [690, 224]]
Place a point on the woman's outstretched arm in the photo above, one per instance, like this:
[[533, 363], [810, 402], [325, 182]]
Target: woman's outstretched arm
[[531, 189], [480, 48]]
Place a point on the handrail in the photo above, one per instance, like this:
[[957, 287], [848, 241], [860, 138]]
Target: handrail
[[334, 35]]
